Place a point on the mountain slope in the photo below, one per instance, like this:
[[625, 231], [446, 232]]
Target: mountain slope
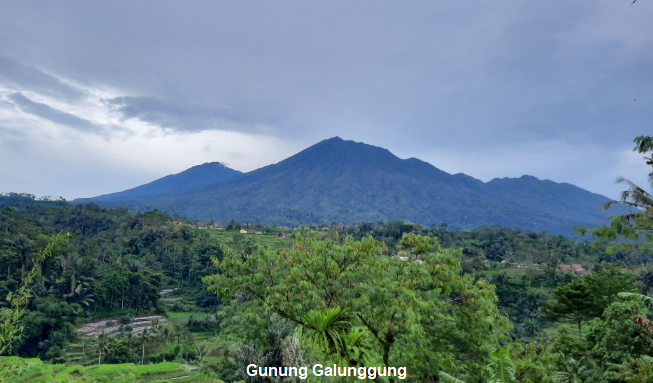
[[199, 175], [345, 181]]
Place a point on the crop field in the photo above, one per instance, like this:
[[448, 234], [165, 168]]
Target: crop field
[[14, 370]]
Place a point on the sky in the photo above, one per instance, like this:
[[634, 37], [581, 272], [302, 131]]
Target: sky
[[99, 97]]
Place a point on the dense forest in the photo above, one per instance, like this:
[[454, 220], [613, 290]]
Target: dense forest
[[92, 285]]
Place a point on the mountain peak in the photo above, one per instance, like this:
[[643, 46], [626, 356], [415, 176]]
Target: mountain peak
[[198, 175], [344, 181]]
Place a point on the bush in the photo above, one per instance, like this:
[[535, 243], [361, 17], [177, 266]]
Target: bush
[[126, 319], [110, 323]]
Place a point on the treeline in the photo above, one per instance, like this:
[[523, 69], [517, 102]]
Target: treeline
[[117, 262]]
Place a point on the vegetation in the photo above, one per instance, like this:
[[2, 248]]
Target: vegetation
[[130, 296]]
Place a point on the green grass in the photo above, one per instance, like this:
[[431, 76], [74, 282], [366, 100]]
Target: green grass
[[34, 370]]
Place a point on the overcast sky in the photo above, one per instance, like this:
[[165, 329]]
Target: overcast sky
[[101, 97]]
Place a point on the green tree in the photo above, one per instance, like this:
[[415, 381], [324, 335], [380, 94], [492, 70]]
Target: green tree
[[143, 337], [638, 224], [11, 326], [164, 336], [101, 345], [573, 302], [617, 337], [413, 310]]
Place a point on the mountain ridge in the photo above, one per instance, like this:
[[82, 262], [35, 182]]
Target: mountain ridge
[[197, 175], [346, 181]]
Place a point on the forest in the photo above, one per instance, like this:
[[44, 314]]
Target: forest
[[97, 294]]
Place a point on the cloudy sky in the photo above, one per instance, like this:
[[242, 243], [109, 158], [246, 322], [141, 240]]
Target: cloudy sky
[[98, 98]]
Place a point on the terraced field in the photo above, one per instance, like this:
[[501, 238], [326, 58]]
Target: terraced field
[[15, 370]]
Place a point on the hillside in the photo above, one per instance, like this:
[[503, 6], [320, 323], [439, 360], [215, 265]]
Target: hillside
[[346, 181], [196, 176]]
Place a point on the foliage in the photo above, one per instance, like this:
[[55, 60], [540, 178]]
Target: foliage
[[616, 337], [408, 308], [635, 228]]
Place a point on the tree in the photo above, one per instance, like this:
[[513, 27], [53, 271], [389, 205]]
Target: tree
[[638, 224], [202, 350], [412, 310], [101, 345], [4, 214], [605, 285], [143, 337], [618, 336], [11, 326], [164, 335], [179, 331], [573, 302]]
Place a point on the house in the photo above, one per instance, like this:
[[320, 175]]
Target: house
[[576, 267], [258, 232], [487, 263], [175, 223], [281, 235], [243, 231]]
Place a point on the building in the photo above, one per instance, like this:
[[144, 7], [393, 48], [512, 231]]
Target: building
[[576, 268]]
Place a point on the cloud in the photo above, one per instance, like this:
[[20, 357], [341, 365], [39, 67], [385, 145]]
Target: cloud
[[542, 88], [189, 115], [51, 114], [23, 77]]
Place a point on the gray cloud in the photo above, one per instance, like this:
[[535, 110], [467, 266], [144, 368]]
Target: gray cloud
[[419, 78], [188, 115], [49, 113], [22, 77]]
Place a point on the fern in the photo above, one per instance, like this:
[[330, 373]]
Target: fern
[[446, 378]]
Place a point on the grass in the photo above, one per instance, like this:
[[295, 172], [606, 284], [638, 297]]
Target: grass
[[14, 369], [185, 314]]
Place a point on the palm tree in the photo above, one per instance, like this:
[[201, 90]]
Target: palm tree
[[202, 350], [101, 345], [143, 337], [81, 295], [22, 245], [164, 337], [179, 331], [636, 196]]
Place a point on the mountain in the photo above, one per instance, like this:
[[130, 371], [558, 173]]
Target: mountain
[[346, 181], [196, 176]]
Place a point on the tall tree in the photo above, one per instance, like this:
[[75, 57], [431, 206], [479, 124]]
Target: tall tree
[[638, 224], [399, 303], [573, 302]]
